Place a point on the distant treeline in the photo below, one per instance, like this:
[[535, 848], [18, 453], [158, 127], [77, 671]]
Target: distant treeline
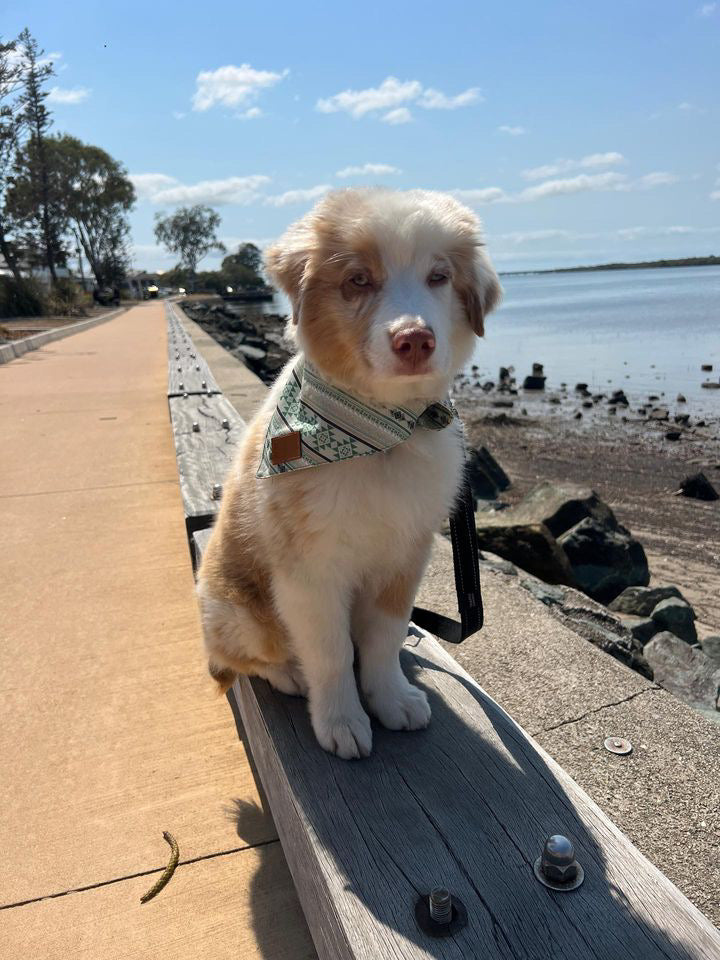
[[644, 265]]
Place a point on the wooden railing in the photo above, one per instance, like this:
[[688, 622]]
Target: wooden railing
[[466, 804]]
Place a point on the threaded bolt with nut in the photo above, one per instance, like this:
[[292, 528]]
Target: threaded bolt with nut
[[440, 905]]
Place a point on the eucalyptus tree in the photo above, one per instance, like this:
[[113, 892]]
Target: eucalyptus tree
[[190, 232]]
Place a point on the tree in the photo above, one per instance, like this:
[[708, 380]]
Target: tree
[[41, 211], [10, 79], [242, 269], [97, 195], [189, 232]]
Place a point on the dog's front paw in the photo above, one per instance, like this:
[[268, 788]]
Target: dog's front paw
[[400, 707], [347, 735]]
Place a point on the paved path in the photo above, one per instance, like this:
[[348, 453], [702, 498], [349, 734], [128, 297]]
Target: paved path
[[109, 733]]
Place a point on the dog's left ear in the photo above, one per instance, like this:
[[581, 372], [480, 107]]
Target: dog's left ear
[[286, 261], [479, 290]]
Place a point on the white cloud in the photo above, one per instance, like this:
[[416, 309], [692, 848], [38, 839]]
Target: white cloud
[[435, 100], [368, 169], [68, 96], [232, 86], [688, 107], [582, 183], [520, 237], [296, 196], [391, 99], [707, 9], [512, 131], [159, 189], [178, 115], [592, 160], [395, 117], [252, 113], [482, 195], [147, 185]]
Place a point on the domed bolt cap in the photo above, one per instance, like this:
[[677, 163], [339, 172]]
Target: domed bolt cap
[[557, 868]]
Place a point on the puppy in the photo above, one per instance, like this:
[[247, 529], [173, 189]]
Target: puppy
[[341, 480]]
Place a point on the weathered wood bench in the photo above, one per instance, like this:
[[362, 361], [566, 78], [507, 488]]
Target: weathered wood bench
[[466, 804]]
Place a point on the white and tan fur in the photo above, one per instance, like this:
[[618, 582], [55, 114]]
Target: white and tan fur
[[304, 568]]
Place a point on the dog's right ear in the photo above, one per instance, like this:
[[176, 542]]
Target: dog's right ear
[[286, 261]]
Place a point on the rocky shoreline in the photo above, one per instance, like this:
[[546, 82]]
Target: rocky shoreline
[[651, 599]]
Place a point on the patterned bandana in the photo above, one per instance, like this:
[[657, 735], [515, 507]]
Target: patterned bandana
[[316, 423]]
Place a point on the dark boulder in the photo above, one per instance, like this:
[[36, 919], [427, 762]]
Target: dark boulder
[[485, 475], [534, 383], [698, 487], [561, 506], [684, 670], [642, 629], [711, 648], [641, 601], [604, 559], [678, 617], [530, 546]]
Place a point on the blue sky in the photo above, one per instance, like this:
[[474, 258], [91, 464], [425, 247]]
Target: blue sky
[[579, 132]]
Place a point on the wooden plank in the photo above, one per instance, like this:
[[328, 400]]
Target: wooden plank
[[188, 372], [204, 454], [466, 804]]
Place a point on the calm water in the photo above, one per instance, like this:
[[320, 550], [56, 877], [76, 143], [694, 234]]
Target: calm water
[[647, 331]]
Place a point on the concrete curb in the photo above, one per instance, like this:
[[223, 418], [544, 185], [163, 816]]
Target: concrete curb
[[17, 348]]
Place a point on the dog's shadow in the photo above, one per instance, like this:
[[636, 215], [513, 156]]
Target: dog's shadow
[[464, 804]]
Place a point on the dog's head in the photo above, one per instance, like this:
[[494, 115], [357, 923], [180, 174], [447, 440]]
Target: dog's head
[[389, 289]]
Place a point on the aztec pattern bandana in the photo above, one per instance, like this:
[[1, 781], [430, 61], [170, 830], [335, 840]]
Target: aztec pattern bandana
[[316, 423]]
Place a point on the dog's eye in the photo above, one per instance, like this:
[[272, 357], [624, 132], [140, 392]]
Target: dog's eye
[[360, 280], [437, 278]]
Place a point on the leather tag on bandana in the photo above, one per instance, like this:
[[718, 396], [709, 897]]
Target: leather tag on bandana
[[285, 447]]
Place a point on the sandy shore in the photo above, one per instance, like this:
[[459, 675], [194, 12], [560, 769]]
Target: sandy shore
[[628, 461]]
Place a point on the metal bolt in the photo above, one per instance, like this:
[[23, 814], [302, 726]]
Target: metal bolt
[[226, 424], [440, 905], [196, 427], [179, 368], [439, 914], [203, 384], [618, 745], [197, 366], [557, 868], [182, 385], [217, 491], [185, 396]]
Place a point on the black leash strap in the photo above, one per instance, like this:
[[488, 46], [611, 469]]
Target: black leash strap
[[467, 578]]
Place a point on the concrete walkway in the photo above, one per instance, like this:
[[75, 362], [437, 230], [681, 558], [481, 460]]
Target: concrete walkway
[[109, 731]]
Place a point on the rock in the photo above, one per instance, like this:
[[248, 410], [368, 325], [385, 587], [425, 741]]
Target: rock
[[543, 591], [604, 559], [581, 387], [504, 376], [682, 418], [618, 396], [554, 400], [711, 648], [680, 399], [538, 370], [488, 386], [642, 629], [673, 435], [499, 565], [503, 403], [698, 487], [609, 635], [678, 617], [530, 546], [534, 383], [587, 404], [706, 367], [485, 475], [653, 396], [683, 670], [561, 506], [578, 415], [710, 385], [659, 413], [253, 353], [641, 601]]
